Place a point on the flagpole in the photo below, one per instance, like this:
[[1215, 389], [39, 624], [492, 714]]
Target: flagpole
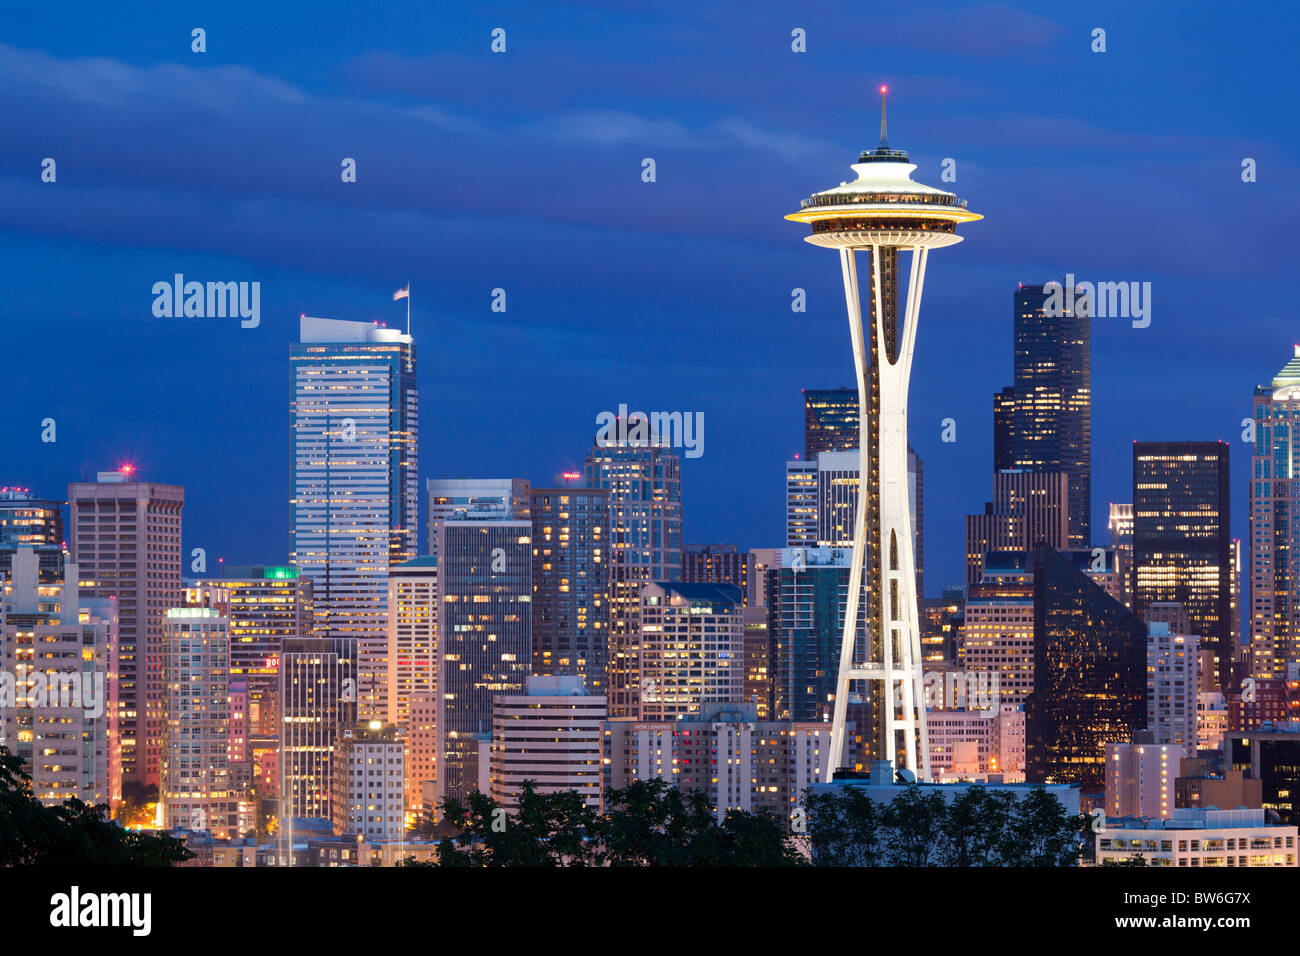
[[408, 308]]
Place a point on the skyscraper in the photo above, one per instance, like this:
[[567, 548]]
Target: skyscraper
[[353, 485], [58, 684], [485, 623], [716, 564], [645, 541], [1120, 527], [412, 636], [830, 420], [126, 543], [1182, 540], [571, 583], [27, 521], [1028, 508], [692, 648], [318, 697], [550, 735], [473, 499], [1090, 659], [1275, 524], [822, 502], [194, 790], [1043, 422]]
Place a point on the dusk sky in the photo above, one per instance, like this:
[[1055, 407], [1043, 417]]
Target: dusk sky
[[522, 171]]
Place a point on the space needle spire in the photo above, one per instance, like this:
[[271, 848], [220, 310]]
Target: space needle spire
[[882, 213]]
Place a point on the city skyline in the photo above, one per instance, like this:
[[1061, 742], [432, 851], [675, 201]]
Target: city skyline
[[1005, 136], [433, 443]]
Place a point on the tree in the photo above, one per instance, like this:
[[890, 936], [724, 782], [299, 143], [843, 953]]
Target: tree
[[977, 821], [918, 822], [548, 829], [1041, 833], [845, 828], [71, 834]]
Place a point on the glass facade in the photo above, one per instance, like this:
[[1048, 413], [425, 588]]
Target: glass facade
[[1043, 422], [353, 483], [1182, 542], [1089, 679]]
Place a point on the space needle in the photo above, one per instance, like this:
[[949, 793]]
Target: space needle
[[882, 213]]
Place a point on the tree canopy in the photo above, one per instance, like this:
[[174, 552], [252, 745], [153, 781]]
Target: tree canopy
[[72, 833]]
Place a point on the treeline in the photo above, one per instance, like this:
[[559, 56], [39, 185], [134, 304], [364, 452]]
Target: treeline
[[651, 823]]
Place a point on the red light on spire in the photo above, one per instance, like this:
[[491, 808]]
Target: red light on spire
[[884, 89], [127, 469]]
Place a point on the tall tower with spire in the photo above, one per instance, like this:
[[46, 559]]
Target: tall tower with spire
[[882, 213]]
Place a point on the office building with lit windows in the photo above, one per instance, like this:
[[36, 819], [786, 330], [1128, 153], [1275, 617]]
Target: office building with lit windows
[[1172, 685], [1141, 776], [1043, 421], [353, 491], [644, 482], [125, 538], [1195, 837], [1028, 509], [485, 623], [370, 783], [27, 521], [1275, 524], [412, 635], [58, 684], [997, 634], [476, 499], [194, 789], [692, 648], [552, 736], [318, 697], [822, 503], [1182, 542], [571, 583]]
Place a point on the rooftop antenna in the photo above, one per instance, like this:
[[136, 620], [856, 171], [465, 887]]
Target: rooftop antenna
[[884, 131]]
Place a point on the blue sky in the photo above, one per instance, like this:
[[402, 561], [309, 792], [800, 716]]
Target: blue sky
[[522, 171]]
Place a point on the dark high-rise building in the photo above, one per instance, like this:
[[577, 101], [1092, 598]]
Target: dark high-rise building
[[30, 522], [1182, 540], [830, 420], [1043, 422], [571, 583], [645, 540], [1090, 672], [318, 696], [716, 564], [1273, 758], [485, 648]]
